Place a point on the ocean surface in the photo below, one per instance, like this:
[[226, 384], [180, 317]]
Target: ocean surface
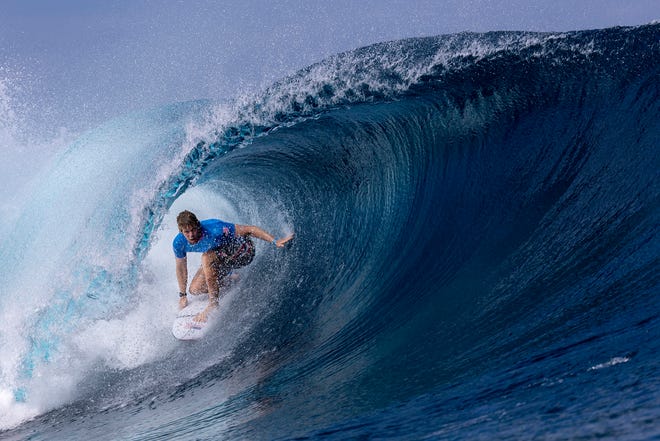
[[477, 254]]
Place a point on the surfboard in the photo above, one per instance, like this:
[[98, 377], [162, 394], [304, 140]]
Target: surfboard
[[184, 327]]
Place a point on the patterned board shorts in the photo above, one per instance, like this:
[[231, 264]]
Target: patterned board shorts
[[235, 255]]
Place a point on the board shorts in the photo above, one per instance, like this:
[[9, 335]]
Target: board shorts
[[235, 255]]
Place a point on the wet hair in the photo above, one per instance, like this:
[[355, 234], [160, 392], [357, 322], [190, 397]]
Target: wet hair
[[187, 219]]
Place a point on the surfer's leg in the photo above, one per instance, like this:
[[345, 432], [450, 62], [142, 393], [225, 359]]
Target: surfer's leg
[[198, 284], [210, 268], [215, 271]]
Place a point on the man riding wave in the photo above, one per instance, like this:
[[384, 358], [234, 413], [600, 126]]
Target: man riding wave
[[224, 247]]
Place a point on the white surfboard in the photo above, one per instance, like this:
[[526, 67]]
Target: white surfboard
[[185, 327]]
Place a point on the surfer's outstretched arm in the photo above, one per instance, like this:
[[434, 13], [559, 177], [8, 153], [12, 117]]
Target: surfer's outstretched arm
[[251, 230]]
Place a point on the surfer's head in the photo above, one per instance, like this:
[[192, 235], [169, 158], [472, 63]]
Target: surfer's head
[[189, 226]]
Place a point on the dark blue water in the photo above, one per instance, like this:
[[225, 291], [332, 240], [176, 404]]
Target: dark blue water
[[477, 253]]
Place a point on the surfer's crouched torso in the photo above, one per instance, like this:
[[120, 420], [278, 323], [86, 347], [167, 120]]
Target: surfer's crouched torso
[[233, 251]]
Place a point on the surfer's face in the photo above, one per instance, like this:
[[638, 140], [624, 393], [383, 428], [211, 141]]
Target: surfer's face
[[192, 234]]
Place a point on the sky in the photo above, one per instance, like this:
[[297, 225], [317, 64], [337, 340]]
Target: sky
[[77, 63]]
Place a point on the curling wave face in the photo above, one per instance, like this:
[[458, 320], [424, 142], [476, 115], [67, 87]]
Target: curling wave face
[[476, 223]]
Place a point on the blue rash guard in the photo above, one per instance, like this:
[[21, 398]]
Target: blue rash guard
[[215, 234]]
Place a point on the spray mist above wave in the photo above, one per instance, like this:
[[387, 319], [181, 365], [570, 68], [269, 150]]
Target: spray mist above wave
[[385, 72], [381, 72]]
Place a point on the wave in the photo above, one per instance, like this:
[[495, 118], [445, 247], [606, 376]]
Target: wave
[[476, 221]]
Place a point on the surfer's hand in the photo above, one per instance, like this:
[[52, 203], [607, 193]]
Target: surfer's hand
[[281, 242], [183, 302]]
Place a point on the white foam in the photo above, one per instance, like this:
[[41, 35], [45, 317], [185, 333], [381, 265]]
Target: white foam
[[612, 362], [13, 413]]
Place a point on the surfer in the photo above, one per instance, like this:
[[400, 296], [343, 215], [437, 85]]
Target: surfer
[[224, 246]]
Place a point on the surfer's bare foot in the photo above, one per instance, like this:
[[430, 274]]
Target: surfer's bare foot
[[183, 302]]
